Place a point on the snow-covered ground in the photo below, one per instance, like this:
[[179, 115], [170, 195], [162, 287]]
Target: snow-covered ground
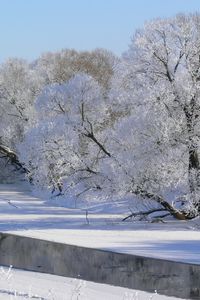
[[19, 284], [24, 214]]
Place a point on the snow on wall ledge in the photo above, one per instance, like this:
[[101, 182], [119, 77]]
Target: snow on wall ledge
[[136, 272]]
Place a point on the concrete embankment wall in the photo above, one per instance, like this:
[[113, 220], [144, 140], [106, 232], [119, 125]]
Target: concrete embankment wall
[[135, 272]]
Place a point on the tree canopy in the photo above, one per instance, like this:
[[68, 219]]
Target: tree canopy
[[105, 126]]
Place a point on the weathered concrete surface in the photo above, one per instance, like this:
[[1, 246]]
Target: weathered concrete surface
[[147, 274]]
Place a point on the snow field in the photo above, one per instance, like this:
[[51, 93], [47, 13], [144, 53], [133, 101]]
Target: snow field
[[18, 284]]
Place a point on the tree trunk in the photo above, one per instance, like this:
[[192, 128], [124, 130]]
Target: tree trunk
[[12, 158], [194, 176], [193, 158]]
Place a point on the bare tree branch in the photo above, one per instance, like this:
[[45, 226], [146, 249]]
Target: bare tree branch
[[143, 213]]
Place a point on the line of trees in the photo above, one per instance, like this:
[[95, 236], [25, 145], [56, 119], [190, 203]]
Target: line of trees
[[95, 125]]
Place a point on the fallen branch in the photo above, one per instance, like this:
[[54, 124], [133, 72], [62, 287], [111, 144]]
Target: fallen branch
[[11, 204], [180, 215], [143, 213], [162, 216]]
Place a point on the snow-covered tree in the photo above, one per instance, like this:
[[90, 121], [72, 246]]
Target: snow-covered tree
[[18, 88], [61, 66], [69, 135], [20, 84], [159, 92]]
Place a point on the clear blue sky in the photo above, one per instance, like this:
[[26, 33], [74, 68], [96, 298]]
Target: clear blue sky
[[30, 27]]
